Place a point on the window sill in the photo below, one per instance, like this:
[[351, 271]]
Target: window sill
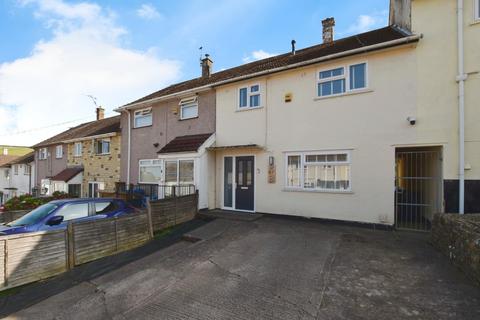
[[317, 191], [150, 125], [349, 93], [475, 22], [102, 154], [58, 158], [184, 119], [248, 109]]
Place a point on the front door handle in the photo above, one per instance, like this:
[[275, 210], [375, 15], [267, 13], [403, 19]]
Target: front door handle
[[244, 188]]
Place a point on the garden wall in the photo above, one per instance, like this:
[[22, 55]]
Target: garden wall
[[458, 237]]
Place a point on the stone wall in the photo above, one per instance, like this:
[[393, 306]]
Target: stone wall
[[98, 168], [458, 237]]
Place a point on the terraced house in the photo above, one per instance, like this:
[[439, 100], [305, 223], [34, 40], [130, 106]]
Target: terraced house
[[380, 127], [82, 161]]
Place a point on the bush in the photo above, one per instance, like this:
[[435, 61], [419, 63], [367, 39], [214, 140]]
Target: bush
[[28, 202]]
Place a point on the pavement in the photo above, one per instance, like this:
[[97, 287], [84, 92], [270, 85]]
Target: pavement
[[273, 268]]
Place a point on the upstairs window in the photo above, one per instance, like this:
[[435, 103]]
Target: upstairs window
[[15, 169], [102, 146], [337, 81], [143, 118], [5, 151], [188, 108], [59, 152], [77, 149], [42, 154], [27, 170], [249, 97]]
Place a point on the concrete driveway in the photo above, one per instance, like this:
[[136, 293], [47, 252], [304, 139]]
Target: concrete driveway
[[276, 268]]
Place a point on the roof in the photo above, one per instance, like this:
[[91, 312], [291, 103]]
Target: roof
[[6, 159], [362, 40], [67, 174], [29, 157], [185, 143], [93, 128]]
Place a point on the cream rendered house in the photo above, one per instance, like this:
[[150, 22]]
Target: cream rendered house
[[366, 133]]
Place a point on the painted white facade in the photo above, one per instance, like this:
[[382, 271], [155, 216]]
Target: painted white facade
[[4, 183], [21, 178]]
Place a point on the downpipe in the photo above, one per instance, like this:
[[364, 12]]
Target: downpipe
[[461, 78]]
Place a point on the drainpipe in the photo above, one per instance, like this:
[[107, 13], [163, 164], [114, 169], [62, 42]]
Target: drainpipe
[[461, 109], [128, 148]]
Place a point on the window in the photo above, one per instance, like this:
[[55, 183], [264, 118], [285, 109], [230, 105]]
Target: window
[[5, 151], [105, 207], [334, 81], [77, 149], [94, 189], [73, 211], [249, 97], [74, 190], [28, 170], [188, 108], [143, 118], [102, 146], [185, 172], [323, 171], [477, 9], [150, 171], [15, 169], [42, 154], [59, 152], [179, 172]]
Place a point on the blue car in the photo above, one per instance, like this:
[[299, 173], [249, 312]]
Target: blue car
[[57, 214]]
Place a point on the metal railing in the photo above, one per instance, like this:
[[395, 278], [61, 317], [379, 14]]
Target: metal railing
[[137, 194]]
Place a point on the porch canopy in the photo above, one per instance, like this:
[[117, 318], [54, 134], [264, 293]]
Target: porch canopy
[[67, 174]]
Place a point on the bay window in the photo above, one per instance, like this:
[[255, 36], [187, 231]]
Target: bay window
[[340, 80], [318, 171]]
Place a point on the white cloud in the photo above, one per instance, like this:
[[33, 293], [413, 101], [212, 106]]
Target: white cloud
[[258, 55], [148, 11], [366, 22], [84, 56]]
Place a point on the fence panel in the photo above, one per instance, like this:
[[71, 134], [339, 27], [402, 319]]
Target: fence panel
[[32, 257], [172, 211], [132, 232]]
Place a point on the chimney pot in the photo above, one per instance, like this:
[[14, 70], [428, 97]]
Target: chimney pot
[[100, 113], [207, 65], [327, 33]]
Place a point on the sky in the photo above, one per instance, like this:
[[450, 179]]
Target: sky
[[55, 53]]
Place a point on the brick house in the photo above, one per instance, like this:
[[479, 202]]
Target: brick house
[[83, 160]]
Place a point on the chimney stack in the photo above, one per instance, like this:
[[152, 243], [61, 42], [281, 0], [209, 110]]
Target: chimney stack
[[401, 14], [328, 25], [100, 113], [206, 64]]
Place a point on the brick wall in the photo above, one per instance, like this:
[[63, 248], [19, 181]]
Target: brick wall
[[458, 237], [98, 168]]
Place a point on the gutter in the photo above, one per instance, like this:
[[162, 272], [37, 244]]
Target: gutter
[[406, 40], [98, 136], [461, 78]]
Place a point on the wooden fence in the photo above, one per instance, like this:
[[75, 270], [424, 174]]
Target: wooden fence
[[35, 256]]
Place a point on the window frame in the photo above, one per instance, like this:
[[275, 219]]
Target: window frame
[[188, 103], [249, 94], [15, 169], [303, 155], [142, 113], [59, 149], [27, 170], [345, 76], [75, 149], [151, 164], [476, 10], [42, 154], [102, 140]]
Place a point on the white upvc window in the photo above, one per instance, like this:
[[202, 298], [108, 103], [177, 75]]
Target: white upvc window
[[77, 149], [27, 170], [179, 172], [102, 146], [59, 152], [150, 171], [5, 151], [15, 169], [337, 81], [477, 10], [318, 171], [188, 108], [143, 118], [42, 154], [249, 97]]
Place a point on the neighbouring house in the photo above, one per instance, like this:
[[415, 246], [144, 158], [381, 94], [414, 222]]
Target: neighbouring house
[[22, 174], [165, 136], [12, 175], [82, 161]]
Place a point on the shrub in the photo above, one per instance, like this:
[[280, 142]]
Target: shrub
[[28, 202]]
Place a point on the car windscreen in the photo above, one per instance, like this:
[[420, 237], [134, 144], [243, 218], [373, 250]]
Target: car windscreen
[[34, 216]]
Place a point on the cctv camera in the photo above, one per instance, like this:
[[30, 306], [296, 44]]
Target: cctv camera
[[412, 120]]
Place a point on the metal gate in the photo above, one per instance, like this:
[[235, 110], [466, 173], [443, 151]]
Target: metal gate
[[418, 188]]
